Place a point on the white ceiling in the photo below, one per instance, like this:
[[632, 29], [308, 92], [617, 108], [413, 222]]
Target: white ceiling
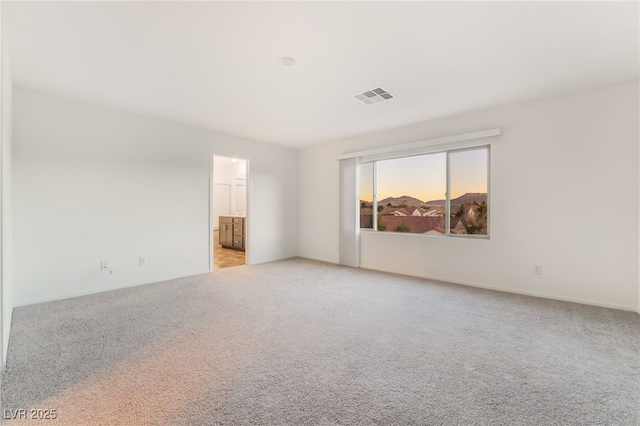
[[216, 64]]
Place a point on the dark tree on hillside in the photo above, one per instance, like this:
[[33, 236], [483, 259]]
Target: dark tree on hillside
[[482, 209], [380, 208], [460, 212]]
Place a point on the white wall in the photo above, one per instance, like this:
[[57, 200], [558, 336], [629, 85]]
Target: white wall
[[93, 184], [6, 222], [564, 185], [6, 285]]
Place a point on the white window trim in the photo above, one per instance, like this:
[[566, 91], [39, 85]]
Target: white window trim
[[447, 148], [446, 143]]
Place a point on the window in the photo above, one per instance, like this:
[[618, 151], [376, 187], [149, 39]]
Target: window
[[409, 194], [405, 185], [468, 173], [366, 195]]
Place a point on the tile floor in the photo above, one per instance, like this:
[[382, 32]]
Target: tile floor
[[224, 257]]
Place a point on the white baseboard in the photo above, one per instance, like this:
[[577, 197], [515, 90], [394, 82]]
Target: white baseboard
[[320, 259], [72, 295], [5, 336], [524, 292], [269, 260]]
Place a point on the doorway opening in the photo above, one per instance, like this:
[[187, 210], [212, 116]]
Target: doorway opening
[[229, 212]]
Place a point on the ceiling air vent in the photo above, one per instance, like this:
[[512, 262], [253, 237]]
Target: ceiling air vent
[[374, 96]]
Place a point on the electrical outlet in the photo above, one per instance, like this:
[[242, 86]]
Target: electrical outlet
[[105, 267], [143, 261], [537, 269]]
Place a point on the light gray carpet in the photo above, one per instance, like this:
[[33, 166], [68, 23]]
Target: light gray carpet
[[302, 342]]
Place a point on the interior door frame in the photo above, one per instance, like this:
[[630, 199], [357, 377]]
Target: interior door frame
[[247, 236]]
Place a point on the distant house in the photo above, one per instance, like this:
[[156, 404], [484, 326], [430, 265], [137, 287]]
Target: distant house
[[424, 224], [395, 211], [387, 211], [366, 217], [416, 224], [366, 221]]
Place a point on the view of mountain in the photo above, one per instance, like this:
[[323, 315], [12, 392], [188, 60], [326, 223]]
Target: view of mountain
[[468, 198], [405, 199], [409, 201]]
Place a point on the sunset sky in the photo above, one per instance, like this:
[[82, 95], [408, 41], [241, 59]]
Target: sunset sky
[[424, 177]]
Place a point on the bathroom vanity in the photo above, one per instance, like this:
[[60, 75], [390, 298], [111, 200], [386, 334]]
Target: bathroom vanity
[[232, 232]]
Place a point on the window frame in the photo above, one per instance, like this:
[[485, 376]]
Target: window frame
[[447, 152]]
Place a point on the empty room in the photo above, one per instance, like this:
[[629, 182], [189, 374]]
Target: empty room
[[320, 213]]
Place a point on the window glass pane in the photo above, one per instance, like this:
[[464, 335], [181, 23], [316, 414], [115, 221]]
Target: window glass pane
[[411, 194], [366, 195], [469, 182]]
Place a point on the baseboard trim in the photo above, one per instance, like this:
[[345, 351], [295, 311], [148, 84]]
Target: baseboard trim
[[522, 292], [319, 259], [101, 290], [261, 261], [433, 278], [5, 341]]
